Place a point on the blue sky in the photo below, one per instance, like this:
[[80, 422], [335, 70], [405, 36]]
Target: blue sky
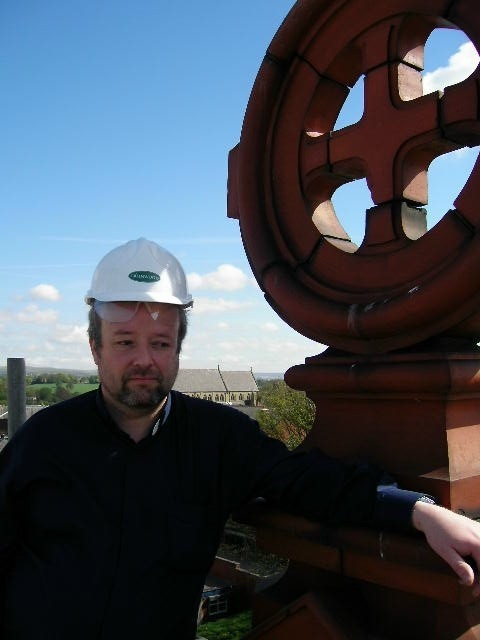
[[116, 120]]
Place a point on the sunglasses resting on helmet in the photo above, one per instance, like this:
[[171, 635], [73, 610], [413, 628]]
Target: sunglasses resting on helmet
[[124, 311]]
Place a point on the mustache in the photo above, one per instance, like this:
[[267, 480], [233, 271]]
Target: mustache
[[142, 372]]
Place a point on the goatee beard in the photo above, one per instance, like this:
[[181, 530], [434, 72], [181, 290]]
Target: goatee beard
[[142, 398]]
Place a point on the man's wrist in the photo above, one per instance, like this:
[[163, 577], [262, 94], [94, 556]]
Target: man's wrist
[[421, 506]]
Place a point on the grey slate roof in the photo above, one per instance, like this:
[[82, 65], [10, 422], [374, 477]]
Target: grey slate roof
[[239, 380], [215, 380], [198, 380]]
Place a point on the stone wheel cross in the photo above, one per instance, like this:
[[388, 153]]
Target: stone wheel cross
[[405, 283]]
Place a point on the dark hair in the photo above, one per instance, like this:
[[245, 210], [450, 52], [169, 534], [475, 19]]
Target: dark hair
[[95, 327]]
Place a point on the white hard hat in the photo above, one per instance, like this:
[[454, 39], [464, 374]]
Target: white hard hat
[[139, 270]]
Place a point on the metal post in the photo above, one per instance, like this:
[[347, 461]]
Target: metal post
[[16, 394]]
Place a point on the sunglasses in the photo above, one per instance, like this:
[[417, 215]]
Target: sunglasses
[[124, 311]]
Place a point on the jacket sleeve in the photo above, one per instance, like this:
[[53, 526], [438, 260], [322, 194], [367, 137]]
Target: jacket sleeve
[[325, 489]]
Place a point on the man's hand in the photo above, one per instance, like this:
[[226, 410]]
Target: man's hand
[[453, 537]]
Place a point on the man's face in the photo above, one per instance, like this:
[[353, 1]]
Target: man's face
[[138, 360]]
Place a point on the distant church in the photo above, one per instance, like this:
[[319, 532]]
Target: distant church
[[230, 387]]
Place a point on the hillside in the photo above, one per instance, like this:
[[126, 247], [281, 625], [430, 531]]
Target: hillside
[[30, 370]]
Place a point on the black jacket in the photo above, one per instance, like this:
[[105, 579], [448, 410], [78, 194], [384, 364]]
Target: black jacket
[[104, 539]]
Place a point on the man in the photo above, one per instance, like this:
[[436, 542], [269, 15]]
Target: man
[[113, 503]]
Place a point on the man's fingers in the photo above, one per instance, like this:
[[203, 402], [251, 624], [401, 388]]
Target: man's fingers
[[454, 537], [464, 568], [464, 572]]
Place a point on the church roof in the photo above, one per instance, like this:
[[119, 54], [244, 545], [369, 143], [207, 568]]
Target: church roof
[[198, 380], [214, 380], [239, 380]]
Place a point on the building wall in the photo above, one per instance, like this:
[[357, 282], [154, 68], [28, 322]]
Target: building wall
[[247, 398]]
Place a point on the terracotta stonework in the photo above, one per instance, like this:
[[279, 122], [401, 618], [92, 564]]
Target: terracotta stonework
[[400, 384]]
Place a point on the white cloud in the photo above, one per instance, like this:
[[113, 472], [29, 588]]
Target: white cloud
[[464, 152], [32, 314], [262, 354], [45, 292], [72, 334], [269, 326], [49, 356], [460, 66], [225, 278], [208, 305]]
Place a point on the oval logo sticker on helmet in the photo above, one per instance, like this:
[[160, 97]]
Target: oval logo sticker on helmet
[[144, 276]]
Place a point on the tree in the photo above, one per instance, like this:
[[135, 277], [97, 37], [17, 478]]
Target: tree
[[287, 414], [62, 393], [44, 395]]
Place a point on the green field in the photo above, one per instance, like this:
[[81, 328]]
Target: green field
[[77, 388]]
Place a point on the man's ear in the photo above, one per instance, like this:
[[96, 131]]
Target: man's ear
[[94, 350]]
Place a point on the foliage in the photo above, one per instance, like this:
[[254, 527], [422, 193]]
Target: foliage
[[51, 393], [52, 378], [287, 414], [232, 628]]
